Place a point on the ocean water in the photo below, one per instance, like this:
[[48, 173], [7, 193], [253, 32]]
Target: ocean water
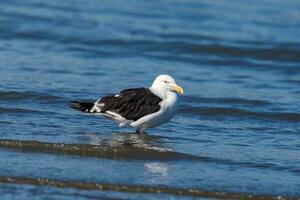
[[237, 132]]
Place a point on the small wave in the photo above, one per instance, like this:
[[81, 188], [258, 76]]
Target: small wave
[[102, 186], [235, 112], [5, 122], [17, 110], [124, 151], [174, 45], [292, 81], [21, 96], [216, 46], [255, 102], [129, 151]]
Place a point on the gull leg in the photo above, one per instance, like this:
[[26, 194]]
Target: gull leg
[[141, 131]]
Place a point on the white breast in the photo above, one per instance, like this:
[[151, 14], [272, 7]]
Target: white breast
[[168, 110]]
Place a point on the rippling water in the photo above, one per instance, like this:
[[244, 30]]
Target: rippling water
[[237, 134]]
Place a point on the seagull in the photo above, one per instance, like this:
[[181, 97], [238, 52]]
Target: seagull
[[139, 108]]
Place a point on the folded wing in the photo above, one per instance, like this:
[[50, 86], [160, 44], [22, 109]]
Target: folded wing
[[131, 104]]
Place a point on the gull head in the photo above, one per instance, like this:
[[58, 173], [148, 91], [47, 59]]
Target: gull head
[[165, 83]]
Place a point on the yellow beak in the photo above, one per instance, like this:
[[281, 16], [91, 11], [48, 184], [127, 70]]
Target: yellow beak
[[178, 89]]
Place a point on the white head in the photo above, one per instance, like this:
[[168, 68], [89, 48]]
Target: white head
[[164, 84]]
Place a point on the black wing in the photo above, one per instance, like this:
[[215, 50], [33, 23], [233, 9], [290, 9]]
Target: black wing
[[132, 104]]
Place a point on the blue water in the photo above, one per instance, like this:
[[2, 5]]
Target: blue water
[[238, 127]]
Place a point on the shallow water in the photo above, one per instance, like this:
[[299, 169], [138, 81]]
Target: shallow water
[[237, 131]]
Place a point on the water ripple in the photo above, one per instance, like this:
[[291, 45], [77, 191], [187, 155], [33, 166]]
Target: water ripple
[[18, 110], [130, 148], [235, 112], [254, 102], [139, 189], [20, 96], [113, 151]]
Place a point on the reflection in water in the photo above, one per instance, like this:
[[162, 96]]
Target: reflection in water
[[123, 139], [135, 140], [157, 168]]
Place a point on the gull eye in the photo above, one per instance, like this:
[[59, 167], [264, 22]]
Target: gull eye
[[166, 82]]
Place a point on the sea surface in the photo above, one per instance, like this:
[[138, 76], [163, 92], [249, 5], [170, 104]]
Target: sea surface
[[237, 132]]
